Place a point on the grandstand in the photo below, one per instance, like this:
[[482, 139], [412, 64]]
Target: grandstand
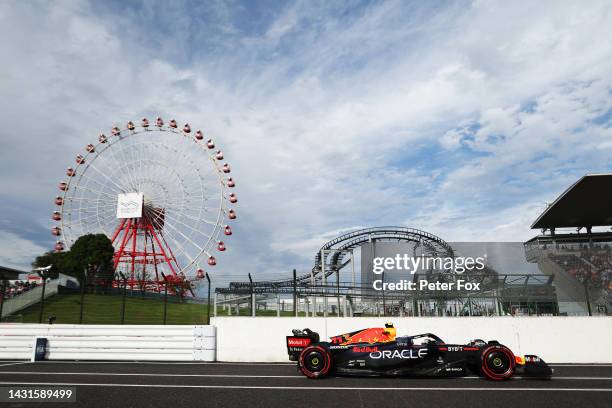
[[575, 245], [17, 294]]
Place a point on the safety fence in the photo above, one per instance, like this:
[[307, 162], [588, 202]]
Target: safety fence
[[73, 306]]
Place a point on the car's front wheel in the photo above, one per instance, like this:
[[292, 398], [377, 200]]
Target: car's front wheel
[[315, 362], [497, 362]]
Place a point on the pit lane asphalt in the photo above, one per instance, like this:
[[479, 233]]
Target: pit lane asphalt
[[147, 384]]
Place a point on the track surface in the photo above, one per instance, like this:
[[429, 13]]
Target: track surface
[[140, 384]]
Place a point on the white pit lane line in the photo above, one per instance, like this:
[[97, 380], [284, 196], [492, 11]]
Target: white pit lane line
[[149, 374], [235, 363], [580, 365], [257, 387], [56, 373], [15, 363], [165, 363]]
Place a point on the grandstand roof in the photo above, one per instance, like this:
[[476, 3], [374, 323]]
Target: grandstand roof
[[9, 273], [586, 203]]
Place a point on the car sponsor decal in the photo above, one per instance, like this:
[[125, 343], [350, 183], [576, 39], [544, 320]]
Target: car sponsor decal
[[298, 341], [356, 363], [401, 354], [364, 349], [458, 348]]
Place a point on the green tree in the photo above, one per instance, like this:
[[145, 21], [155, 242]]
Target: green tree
[[59, 260], [92, 250]]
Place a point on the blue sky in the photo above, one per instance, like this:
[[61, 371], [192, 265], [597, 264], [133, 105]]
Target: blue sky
[[460, 118]]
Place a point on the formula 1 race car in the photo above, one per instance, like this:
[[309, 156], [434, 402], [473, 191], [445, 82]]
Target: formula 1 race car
[[377, 351]]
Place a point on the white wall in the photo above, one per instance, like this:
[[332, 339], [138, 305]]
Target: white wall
[[110, 342], [555, 339]]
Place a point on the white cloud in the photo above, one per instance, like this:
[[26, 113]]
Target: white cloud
[[322, 111], [16, 252]]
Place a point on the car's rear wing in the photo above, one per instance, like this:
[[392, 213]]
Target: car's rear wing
[[299, 341]]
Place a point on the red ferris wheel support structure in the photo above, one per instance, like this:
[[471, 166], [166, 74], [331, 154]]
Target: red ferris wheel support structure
[[140, 243]]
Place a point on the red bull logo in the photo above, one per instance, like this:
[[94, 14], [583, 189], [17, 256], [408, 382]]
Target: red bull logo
[[364, 349]]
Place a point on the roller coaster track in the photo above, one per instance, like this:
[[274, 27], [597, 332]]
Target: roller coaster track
[[335, 251]]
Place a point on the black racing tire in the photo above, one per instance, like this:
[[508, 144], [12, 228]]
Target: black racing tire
[[315, 361], [497, 363]]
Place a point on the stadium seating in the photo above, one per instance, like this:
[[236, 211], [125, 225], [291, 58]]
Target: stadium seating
[[590, 264]]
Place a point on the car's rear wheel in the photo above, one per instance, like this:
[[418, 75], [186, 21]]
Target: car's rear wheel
[[315, 362], [497, 363]]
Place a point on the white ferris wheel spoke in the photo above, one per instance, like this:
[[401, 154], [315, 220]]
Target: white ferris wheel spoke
[[110, 180], [124, 161], [166, 216], [78, 187], [183, 235], [204, 220], [93, 183], [176, 243], [111, 155]]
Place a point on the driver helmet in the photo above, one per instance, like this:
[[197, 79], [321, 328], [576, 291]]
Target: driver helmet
[[390, 330]]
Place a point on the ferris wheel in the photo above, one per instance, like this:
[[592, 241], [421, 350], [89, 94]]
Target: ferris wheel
[[160, 192]]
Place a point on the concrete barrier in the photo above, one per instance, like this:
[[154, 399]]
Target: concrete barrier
[[556, 339], [110, 342]]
